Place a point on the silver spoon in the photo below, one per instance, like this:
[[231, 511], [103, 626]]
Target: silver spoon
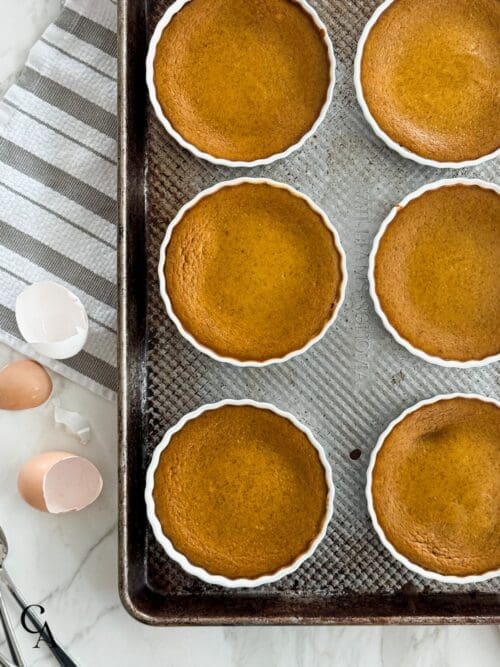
[[58, 652]]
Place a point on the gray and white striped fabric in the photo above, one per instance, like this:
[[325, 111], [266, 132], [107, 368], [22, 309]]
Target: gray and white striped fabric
[[58, 208]]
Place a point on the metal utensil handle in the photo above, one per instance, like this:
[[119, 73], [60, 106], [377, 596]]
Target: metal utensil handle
[[57, 651], [10, 636]]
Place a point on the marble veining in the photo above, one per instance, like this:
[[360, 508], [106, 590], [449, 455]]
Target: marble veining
[[69, 563]]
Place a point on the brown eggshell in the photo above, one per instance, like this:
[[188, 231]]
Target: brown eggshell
[[59, 482], [31, 477], [24, 384]]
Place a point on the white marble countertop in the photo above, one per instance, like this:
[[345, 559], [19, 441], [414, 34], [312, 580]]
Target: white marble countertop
[[69, 563]]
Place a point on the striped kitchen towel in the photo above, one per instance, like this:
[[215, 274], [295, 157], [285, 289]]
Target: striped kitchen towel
[[58, 209]]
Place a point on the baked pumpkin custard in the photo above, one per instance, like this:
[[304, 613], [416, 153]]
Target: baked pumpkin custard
[[430, 75], [242, 80], [435, 487], [253, 272], [241, 491], [436, 272]]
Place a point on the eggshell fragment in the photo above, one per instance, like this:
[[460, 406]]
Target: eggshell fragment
[[74, 423], [58, 482], [52, 319], [24, 384]]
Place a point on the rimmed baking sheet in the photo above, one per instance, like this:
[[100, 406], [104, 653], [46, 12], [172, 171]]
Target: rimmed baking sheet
[[347, 388]]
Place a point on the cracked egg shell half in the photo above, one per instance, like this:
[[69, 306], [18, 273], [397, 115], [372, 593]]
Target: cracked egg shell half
[[59, 482]]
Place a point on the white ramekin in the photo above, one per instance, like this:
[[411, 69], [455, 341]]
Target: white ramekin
[[445, 182], [166, 298], [405, 152], [428, 574], [163, 22], [198, 571]]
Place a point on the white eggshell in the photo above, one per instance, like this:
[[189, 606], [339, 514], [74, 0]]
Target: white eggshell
[[74, 422], [58, 482], [52, 319]]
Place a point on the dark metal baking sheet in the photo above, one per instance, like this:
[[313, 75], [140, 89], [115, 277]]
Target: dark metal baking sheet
[[346, 389]]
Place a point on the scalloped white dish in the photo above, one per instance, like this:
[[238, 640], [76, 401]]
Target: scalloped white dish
[[168, 304], [413, 567], [163, 23], [391, 143], [472, 363], [180, 558]]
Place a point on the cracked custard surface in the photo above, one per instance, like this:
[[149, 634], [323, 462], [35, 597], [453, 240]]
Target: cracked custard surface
[[252, 272], [242, 79], [240, 491], [437, 272], [436, 487], [430, 75]]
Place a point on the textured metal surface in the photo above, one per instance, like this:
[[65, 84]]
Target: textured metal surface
[[346, 388]]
